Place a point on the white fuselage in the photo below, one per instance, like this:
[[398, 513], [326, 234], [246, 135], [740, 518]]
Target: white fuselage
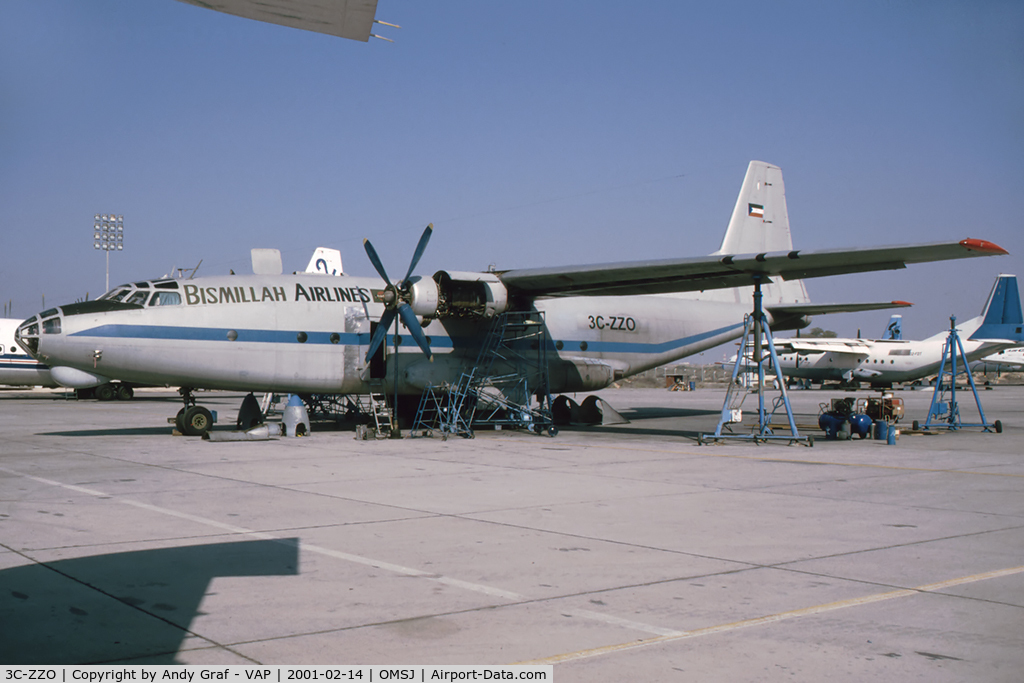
[[1008, 360], [880, 361], [17, 368], [308, 333]]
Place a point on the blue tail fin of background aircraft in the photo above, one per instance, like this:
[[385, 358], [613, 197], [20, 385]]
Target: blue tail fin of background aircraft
[[1003, 316], [894, 330]]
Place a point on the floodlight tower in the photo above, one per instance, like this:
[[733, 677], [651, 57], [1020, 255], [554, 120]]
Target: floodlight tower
[[108, 235]]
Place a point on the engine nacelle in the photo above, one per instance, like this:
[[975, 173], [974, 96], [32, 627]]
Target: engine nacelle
[[425, 296], [470, 294]]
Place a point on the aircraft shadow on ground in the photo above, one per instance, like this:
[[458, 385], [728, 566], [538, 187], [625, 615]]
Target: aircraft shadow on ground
[[632, 430], [135, 606], [654, 412], [127, 431]]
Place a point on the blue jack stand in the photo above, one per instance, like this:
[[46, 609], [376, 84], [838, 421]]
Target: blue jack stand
[[755, 333], [953, 350]]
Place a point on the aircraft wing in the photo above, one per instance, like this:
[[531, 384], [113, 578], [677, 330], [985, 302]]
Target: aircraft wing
[[721, 271], [344, 18], [851, 347]]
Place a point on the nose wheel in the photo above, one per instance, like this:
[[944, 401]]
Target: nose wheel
[[192, 420]]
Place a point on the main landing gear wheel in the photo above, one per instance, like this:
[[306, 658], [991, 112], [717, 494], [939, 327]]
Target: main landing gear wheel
[[196, 421], [106, 392], [125, 392]]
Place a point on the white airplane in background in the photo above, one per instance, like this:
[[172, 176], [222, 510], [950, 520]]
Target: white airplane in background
[[18, 368], [1009, 360], [881, 362], [312, 334]]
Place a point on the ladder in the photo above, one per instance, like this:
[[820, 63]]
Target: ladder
[[381, 411], [515, 345], [755, 328]]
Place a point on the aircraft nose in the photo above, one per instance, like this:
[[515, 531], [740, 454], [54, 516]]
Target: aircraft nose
[[28, 333]]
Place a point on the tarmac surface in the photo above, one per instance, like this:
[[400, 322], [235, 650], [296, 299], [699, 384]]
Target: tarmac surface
[[615, 552]]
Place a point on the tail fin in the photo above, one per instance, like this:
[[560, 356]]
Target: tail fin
[[1003, 318], [894, 330], [760, 223], [325, 261]]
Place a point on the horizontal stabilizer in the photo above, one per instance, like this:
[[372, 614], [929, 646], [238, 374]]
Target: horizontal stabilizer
[[822, 309]]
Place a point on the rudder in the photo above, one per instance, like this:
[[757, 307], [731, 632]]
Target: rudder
[[760, 224]]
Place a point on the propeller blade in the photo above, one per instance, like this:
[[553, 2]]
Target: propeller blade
[[416, 255], [410, 320], [381, 332], [375, 260]]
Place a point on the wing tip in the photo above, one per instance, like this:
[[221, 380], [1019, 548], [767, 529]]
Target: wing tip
[[902, 304], [983, 246]]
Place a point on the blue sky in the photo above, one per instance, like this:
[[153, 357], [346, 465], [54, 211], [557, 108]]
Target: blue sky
[[529, 133]]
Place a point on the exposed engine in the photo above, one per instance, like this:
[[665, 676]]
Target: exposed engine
[[452, 294]]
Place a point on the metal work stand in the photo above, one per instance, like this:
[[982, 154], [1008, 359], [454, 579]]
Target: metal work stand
[[953, 350], [755, 332], [498, 390]]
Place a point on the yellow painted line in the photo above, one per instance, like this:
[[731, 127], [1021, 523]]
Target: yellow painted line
[[780, 616]]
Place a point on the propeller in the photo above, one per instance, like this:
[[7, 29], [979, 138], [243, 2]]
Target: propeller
[[397, 297]]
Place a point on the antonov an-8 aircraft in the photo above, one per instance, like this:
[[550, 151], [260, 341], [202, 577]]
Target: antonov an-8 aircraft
[[317, 334], [880, 362]]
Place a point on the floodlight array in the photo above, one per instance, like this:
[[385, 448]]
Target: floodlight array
[[108, 232]]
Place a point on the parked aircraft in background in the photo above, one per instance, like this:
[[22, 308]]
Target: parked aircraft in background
[[314, 334], [1009, 360], [894, 330], [884, 361], [18, 368]]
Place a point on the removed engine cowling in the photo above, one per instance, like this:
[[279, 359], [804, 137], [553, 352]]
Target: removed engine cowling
[[477, 295]]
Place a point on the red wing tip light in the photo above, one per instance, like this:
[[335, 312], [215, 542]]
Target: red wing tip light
[[983, 245], [902, 303]]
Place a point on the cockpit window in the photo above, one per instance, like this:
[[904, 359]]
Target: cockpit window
[[165, 299], [166, 284], [48, 312], [120, 289], [138, 298], [51, 326], [120, 295], [142, 285]]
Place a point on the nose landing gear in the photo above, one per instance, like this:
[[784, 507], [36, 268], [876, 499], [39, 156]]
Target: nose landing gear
[[192, 420]]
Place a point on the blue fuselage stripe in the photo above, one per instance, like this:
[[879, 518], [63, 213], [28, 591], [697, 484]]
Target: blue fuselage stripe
[[213, 334]]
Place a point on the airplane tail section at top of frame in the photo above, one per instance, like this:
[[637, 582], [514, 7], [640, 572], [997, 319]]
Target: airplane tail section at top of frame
[[760, 224]]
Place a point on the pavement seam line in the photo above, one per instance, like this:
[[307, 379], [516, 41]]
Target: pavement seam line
[[779, 616]]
